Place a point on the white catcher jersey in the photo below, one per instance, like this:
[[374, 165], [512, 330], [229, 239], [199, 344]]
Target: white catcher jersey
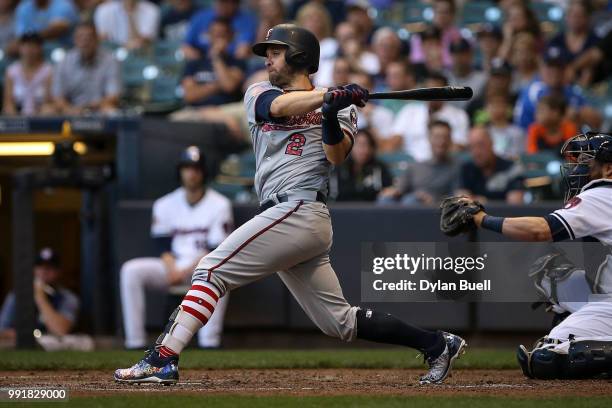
[[589, 214], [194, 229], [289, 152]]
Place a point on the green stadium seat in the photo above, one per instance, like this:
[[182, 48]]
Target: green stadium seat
[[478, 12], [417, 12]]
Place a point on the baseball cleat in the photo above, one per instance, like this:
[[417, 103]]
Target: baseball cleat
[[440, 367], [151, 369]]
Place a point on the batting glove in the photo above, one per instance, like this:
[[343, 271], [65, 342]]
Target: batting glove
[[360, 94], [336, 100]]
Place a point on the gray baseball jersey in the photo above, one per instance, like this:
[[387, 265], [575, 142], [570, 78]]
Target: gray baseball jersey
[[289, 152]]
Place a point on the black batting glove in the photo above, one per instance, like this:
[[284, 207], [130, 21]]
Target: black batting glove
[[336, 100], [360, 94]]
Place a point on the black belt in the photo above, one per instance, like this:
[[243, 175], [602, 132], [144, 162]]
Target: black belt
[[283, 198]]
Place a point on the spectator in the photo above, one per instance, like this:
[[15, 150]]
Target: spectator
[[27, 82], [486, 176], [524, 58], [550, 129], [410, 125], [336, 9], [498, 83], [87, 80], [463, 72], [489, 41], [508, 139], [553, 79], [387, 46], [398, 76], [87, 8], [595, 64], [361, 177], [244, 25], [56, 306], [187, 224], [51, 19], [175, 19], [355, 51], [314, 17], [342, 72], [376, 118], [432, 49], [429, 181], [133, 24], [271, 13], [214, 79], [8, 42], [357, 14], [443, 20], [520, 19], [578, 36]]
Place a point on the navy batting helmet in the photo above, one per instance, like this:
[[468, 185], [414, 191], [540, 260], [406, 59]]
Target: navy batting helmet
[[578, 153], [302, 46], [192, 156]]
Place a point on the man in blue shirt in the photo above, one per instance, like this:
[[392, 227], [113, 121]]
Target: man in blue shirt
[[197, 40], [52, 19], [213, 79], [551, 79]]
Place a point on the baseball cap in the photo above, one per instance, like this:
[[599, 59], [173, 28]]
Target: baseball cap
[[460, 45], [47, 256], [500, 67], [555, 56], [490, 30]]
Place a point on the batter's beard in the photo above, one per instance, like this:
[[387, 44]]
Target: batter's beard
[[283, 78]]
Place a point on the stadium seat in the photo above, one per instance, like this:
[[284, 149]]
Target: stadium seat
[[417, 12], [169, 57]]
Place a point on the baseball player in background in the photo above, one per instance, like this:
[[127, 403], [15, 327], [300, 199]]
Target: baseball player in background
[[187, 224], [297, 136], [580, 346]]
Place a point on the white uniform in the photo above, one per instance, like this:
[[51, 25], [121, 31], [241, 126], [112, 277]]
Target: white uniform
[[589, 214], [194, 230]]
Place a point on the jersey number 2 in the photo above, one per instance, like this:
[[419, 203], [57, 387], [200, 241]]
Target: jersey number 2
[[296, 142]]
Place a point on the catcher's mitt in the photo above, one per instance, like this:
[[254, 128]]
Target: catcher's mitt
[[458, 215]]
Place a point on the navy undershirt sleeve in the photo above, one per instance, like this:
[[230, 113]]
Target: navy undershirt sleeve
[[263, 103], [162, 244], [557, 229]]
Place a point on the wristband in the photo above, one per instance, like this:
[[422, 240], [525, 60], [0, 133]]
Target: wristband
[[492, 223], [332, 134]]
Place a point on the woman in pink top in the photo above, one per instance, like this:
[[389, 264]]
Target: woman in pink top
[[27, 82], [444, 20]]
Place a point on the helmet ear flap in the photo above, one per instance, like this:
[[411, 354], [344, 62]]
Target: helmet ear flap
[[296, 58]]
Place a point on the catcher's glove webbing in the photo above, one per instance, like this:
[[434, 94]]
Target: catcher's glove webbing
[[458, 215]]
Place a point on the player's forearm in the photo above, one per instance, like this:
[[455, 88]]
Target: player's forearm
[[518, 228], [54, 322], [336, 154], [296, 103]]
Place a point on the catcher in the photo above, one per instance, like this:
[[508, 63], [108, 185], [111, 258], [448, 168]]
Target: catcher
[[580, 346]]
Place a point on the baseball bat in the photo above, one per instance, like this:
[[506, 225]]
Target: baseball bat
[[443, 93]]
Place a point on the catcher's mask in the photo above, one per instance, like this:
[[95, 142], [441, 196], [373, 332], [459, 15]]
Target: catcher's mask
[[578, 153]]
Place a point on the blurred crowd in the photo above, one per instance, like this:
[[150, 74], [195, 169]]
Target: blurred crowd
[[538, 79]]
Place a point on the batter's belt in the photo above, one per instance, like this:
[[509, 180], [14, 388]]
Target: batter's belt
[[303, 195]]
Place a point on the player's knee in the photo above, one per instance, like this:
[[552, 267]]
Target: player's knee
[[130, 272], [342, 325]]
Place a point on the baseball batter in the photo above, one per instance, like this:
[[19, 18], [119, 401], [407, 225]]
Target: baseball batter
[[581, 345], [297, 136]]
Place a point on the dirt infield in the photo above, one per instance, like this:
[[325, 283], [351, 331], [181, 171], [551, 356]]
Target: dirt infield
[[296, 382]]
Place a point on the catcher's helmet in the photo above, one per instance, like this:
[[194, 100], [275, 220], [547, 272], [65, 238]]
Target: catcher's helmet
[[192, 156], [302, 46], [578, 153]]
